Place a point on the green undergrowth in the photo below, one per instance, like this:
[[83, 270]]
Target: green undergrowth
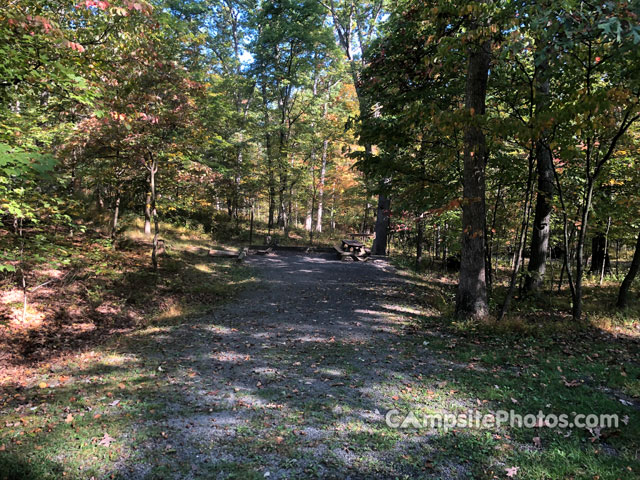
[[536, 361], [85, 408]]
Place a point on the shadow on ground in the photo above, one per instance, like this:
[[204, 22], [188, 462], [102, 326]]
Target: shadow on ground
[[292, 379]]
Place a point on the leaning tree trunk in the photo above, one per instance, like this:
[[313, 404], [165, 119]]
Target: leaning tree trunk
[[630, 277], [576, 311], [521, 241], [471, 300], [606, 268]]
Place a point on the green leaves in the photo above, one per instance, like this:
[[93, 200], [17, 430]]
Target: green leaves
[[17, 162]]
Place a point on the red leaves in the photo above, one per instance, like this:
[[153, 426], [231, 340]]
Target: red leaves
[[452, 205], [140, 6], [31, 22], [73, 46], [101, 4]]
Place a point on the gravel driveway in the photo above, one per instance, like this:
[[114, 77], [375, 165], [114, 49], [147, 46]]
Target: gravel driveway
[[290, 380]]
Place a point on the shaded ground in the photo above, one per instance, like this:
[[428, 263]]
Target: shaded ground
[[292, 379]]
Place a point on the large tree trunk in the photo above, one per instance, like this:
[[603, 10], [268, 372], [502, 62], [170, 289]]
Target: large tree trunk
[[471, 300], [600, 262], [382, 226], [630, 277], [308, 219], [541, 221], [542, 217]]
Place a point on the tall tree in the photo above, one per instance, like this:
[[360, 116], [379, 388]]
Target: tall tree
[[471, 299], [292, 38], [356, 24]]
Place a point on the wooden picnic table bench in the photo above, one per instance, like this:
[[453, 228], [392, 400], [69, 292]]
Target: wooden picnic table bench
[[352, 246], [353, 250]]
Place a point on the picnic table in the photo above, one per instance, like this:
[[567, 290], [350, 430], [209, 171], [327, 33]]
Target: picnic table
[[353, 246], [352, 250]]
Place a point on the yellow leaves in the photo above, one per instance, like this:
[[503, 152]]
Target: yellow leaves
[[43, 385]]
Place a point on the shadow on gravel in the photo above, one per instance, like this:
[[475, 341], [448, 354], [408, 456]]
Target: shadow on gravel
[[291, 380]]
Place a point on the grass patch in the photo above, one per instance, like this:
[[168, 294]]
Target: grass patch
[[536, 360]]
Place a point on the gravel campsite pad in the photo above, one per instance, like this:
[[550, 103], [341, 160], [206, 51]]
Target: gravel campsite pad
[[293, 378]]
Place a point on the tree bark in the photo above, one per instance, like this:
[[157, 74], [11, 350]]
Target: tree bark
[[606, 265], [600, 263], [630, 277], [541, 221], [471, 300], [147, 214], [344, 29], [489, 241], [153, 169], [542, 217], [582, 235], [382, 226]]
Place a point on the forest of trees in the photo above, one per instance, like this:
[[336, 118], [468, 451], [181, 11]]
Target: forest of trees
[[497, 135]]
